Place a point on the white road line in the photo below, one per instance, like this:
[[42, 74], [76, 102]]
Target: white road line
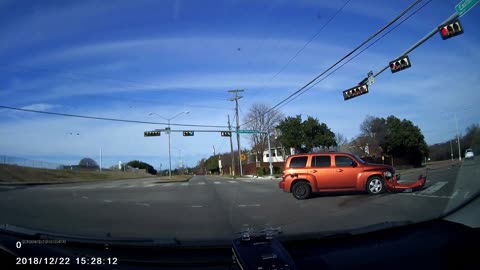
[[143, 204], [167, 184], [233, 182], [249, 205], [150, 185], [196, 206], [455, 193], [466, 195], [201, 183], [426, 195], [85, 197], [434, 188], [107, 201], [217, 183], [248, 181], [185, 184]]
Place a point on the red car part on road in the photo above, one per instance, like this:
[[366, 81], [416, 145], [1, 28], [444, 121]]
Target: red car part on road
[[392, 185]]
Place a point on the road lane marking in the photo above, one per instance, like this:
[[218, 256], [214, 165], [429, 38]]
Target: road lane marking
[[455, 193], [249, 205], [196, 206], [434, 188], [217, 183], [466, 195], [201, 183], [185, 184], [143, 204], [248, 181], [167, 184], [85, 197], [426, 195], [233, 182], [107, 201], [150, 185]]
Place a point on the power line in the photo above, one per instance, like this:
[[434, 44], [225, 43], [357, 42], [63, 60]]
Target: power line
[[343, 58], [355, 56], [308, 42], [106, 119]]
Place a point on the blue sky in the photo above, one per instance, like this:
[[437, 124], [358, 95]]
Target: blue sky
[[125, 59]]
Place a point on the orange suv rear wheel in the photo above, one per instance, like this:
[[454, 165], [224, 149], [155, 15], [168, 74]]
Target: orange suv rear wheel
[[301, 190]]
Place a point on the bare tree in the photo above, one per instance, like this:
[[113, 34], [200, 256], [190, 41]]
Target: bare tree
[[261, 118]]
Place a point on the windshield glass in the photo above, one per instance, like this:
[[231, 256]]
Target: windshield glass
[[176, 119]]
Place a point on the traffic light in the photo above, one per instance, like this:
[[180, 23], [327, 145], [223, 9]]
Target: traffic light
[[188, 133], [355, 92], [151, 133], [226, 133], [451, 29], [400, 64]]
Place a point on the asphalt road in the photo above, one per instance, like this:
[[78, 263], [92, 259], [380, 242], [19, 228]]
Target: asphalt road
[[209, 207]]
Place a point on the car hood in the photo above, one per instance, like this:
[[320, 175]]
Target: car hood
[[374, 167]]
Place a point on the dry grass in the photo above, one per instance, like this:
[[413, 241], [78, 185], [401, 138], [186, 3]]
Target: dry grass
[[19, 174]]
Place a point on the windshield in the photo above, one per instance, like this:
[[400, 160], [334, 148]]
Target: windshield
[[174, 119]]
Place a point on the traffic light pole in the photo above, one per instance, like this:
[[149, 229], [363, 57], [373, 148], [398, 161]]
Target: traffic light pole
[[169, 153], [231, 149], [270, 154]]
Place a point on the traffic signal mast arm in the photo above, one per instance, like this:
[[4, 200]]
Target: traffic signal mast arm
[[421, 41]]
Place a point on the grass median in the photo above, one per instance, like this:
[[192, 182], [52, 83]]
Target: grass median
[[12, 174]]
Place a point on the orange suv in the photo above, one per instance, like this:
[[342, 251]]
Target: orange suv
[[333, 171]]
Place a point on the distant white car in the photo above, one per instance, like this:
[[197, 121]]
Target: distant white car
[[469, 154]]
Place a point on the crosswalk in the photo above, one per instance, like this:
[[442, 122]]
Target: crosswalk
[[119, 185], [435, 190]]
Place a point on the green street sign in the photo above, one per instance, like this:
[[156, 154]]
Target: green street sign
[[246, 131], [464, 6]]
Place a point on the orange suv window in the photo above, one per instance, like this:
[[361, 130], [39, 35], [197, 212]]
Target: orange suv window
[[343, 161], [298, 162], [321, 161]]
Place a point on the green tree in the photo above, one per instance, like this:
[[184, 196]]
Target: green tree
[[305, 136], [405, 140], [392, 136], [142, 165]]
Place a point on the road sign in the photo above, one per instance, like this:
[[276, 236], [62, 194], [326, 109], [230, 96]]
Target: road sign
[[243, 157], [246, 131], [371, 78], [464, 6], [226, 133]]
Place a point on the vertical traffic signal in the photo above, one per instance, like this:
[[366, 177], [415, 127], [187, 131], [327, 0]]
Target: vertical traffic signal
[[226, 133], [151, 133], [400, 64], [355, 92], [451, 29], [188, 133]]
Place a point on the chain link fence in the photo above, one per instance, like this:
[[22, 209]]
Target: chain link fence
[[29, 163]]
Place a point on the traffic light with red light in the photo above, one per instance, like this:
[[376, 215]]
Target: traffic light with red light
[[451, 29], [188, 133], [400, 64], [355, 92]]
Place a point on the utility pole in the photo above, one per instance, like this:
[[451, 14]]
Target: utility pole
[[231, 149], [236, 98], [451, 149], [458, 139]]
